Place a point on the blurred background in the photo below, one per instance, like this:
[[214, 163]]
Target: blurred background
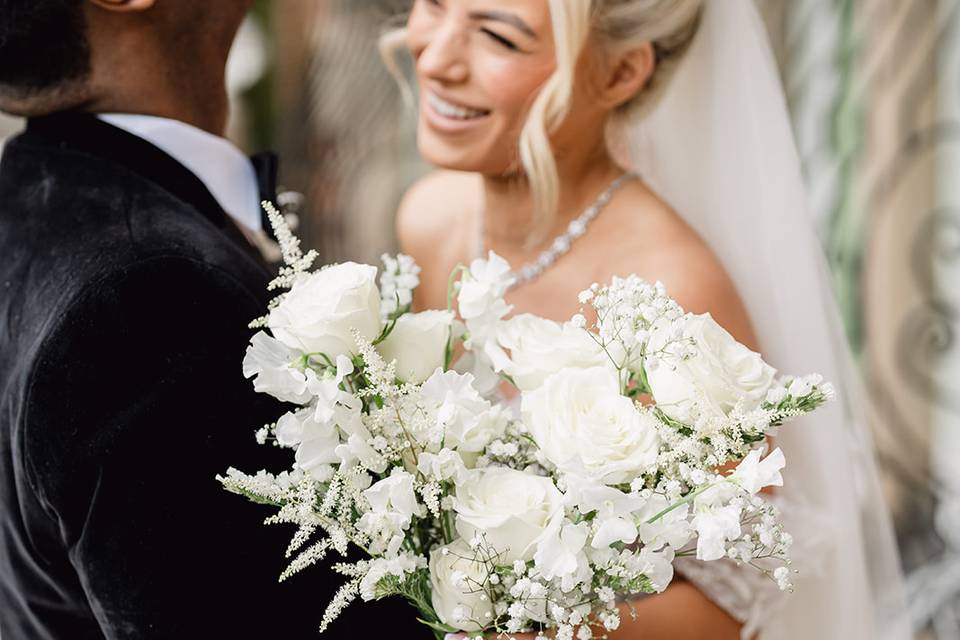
[[874, 91]]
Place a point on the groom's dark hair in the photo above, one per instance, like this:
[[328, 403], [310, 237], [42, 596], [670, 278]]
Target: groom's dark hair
[[43, 44]]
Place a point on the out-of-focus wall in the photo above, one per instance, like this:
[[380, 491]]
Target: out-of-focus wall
[[873, 89]]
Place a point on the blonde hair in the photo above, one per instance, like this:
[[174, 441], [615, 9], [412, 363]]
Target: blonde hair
[[616, 26]]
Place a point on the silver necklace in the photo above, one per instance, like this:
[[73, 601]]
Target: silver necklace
[[561, 244]]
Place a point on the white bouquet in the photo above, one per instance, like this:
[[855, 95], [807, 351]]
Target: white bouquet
[[492, 515]]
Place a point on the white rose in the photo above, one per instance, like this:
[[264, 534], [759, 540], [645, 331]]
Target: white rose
[[323, 308], [510, 508], [721, 369], [584, 426], [540, 347], [418, 343], [458, 584]]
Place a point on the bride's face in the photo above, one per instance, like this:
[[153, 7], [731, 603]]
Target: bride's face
[[480, 64]]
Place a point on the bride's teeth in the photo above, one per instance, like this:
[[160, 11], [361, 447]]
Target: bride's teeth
[[449, 110]]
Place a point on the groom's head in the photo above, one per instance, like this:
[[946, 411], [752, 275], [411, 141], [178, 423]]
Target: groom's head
[[160, 57]]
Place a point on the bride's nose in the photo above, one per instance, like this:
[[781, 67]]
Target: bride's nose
[[444, 56]]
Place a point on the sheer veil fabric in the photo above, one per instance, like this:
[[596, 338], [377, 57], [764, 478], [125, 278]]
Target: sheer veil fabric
[[719, 148]]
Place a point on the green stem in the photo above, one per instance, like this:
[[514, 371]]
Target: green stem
[[687, 500], [450, 282]]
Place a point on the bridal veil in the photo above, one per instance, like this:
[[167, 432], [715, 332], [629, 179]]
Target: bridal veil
[[718, 147]]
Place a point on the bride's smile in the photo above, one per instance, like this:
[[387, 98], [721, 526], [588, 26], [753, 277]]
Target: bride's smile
[[448, 116]]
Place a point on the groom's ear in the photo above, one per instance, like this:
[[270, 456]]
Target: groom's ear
[[124, 6], [629, 75]]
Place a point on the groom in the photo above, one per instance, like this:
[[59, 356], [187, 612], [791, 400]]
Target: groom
[[126, 284]]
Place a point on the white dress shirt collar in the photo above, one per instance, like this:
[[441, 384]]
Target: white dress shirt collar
[[226, 172]]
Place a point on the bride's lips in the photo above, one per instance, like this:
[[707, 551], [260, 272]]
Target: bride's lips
[[448, 115]]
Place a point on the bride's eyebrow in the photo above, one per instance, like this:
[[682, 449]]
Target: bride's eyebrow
[[507, 18]]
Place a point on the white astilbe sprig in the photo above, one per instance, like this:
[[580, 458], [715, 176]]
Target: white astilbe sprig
[[295, 261], [344, 596], [311, 555], [381, 377], [300, 538], [262, 487]]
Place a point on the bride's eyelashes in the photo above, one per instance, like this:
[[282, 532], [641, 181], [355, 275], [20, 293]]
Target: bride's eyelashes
[[496, 37]]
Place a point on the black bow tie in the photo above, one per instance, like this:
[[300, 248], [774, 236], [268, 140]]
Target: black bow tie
[[265, 165]]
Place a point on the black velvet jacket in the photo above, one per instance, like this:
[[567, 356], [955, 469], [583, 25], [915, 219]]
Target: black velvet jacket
[[125, 292]]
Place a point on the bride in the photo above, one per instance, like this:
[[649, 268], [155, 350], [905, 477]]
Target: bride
[[582, 139]]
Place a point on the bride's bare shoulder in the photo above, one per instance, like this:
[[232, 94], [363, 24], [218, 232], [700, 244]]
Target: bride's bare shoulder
[[662, 246], [436, 206], [434, 221]]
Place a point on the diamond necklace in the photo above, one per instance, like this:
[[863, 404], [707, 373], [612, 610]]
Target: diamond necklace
[[561, 244]]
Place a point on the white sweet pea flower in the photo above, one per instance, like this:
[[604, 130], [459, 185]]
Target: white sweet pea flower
[[584, 426], [658, 566], [482, 289], [316, 453], [560, 554], [459, 407], [614, 509], [539, 348], [446, 464], [393, 504], [270, 363], [715, 526], [327, 390], [479, 364], [672, 529], [418, 344], [509, 507], [613, 528], [459, 587], [315, 442], [480, 300], [396, 494], [323, 308], [489, 426], [720, 372], [289, 431], [753, 474], [801, 387], [357, 448]]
